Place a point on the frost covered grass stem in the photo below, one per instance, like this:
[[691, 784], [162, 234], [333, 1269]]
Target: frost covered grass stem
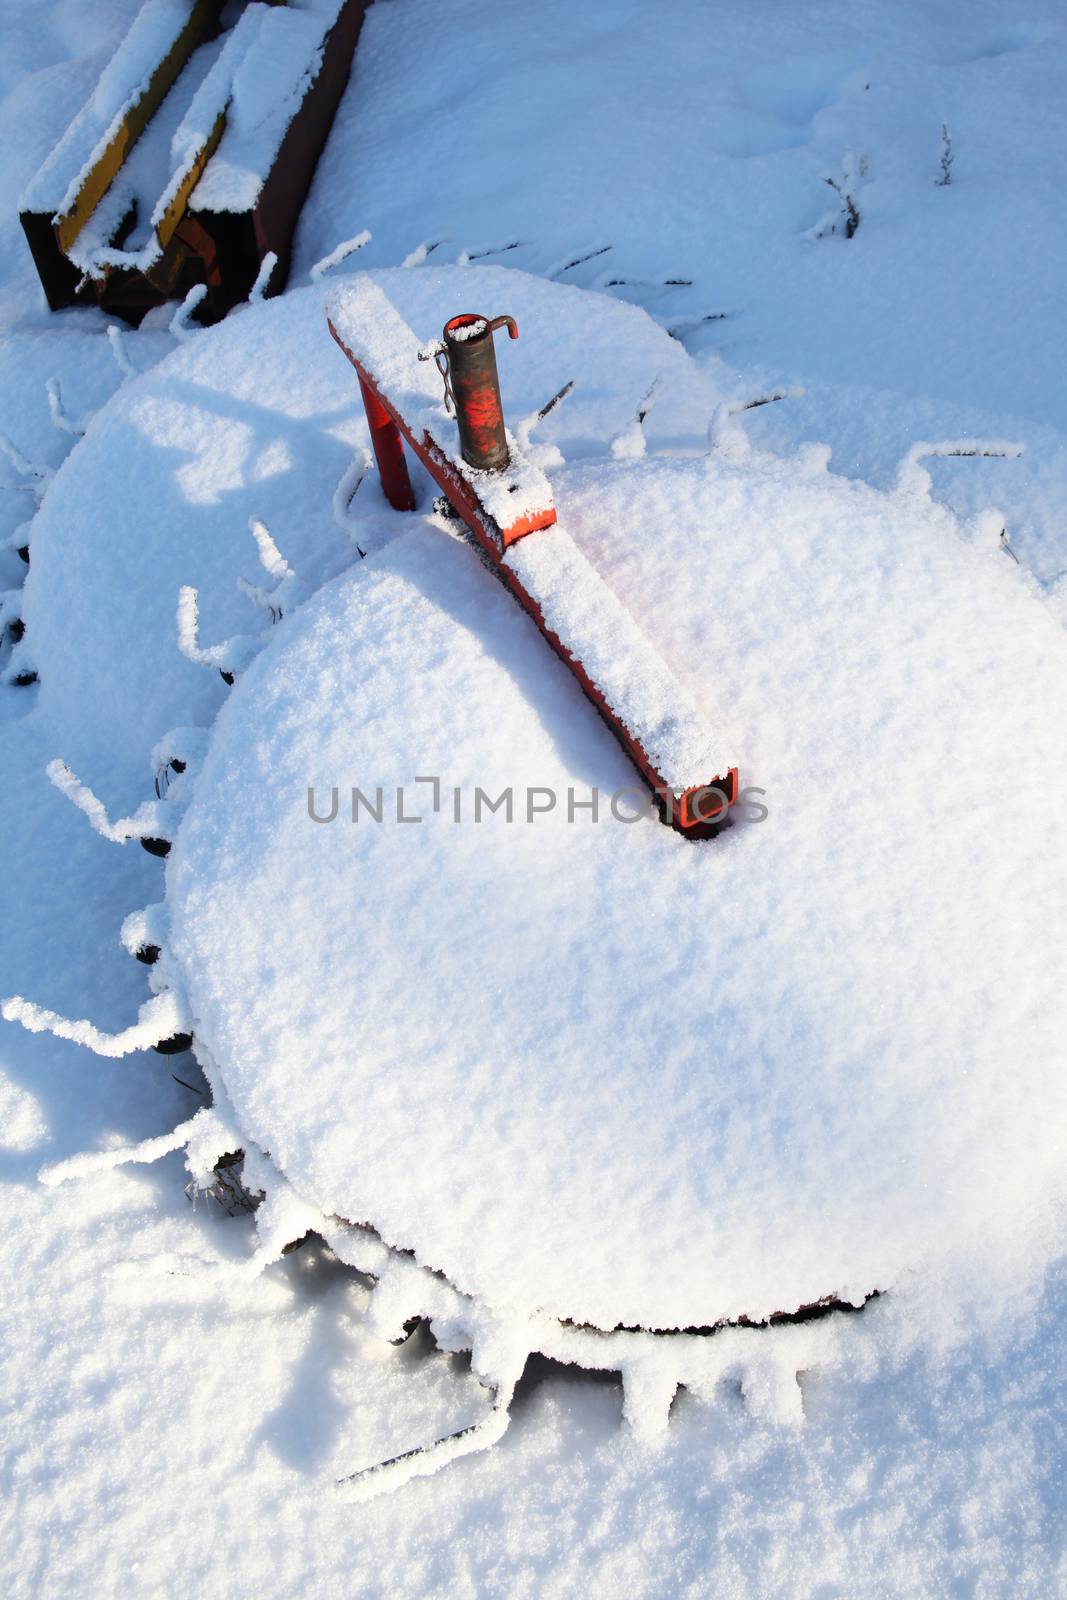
[[117, 345], [148, 1150], [57, 411], [855, 168], [345, 492], [180, 324], [416, 257], [913, 477], [525, 427], [34, 477], [263, 277], [80, 795], [678, 330], [338, 254], [849, 209], [568, 262], [726, 433], [424, 1460], [159, 1019], [465, 257]]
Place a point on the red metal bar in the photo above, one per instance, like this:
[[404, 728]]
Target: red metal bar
[[388, 448], [699, 812]]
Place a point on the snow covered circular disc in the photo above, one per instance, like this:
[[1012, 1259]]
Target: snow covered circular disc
[[259, 417], [589, 1067]]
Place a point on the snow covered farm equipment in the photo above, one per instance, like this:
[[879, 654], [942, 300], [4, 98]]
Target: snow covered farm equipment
[[190, 161], [648, 1153], [503, 498]]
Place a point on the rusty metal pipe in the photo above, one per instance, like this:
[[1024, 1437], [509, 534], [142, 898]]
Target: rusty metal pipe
[[474, 388]]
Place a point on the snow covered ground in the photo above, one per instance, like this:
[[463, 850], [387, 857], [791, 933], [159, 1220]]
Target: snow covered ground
[[163, 1433]]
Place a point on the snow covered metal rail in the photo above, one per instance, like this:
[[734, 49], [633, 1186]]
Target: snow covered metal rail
[[681, 758], [190, 161]]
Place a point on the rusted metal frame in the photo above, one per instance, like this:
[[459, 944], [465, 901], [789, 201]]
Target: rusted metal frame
[[188, 259], [180, 237], [281, 199], [195, 241], [60, 278], [225, 249], [182, 242], [178, 201], [690, 813], [101, 175]]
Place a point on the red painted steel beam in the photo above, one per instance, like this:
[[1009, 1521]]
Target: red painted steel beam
[[697, 812], [388, 449]]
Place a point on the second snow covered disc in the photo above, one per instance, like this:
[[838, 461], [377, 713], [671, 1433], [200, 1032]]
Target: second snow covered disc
[[589, 1067]]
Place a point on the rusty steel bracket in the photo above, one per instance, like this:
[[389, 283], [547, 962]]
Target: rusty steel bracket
[[388, 430]]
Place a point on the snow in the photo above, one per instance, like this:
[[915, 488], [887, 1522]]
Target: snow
[[470, 330], [683, 1036], [373, 331], [173, 1422], [918, 316]]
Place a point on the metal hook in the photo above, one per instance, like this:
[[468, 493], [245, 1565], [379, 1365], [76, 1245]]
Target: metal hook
[[440, 358]]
